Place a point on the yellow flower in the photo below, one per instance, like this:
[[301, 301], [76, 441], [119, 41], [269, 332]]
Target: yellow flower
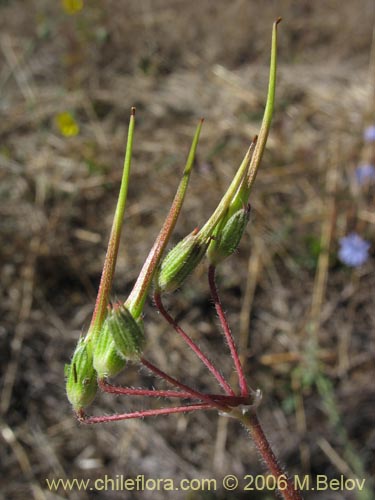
[[67, 125], [72, 6]]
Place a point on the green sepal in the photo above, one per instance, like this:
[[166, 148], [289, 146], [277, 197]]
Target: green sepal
[[127, 333], [81, 377], [180, 262], [228, 236], [108, 362]]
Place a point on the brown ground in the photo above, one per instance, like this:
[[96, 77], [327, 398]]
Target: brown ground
[[311, 319]]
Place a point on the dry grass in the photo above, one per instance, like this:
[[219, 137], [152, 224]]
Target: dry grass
[[177, 61]]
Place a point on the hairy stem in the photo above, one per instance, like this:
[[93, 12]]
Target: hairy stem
[[227, 332], [180, 385], [140, 414], [224, 384], [156, 393], [251, 422]]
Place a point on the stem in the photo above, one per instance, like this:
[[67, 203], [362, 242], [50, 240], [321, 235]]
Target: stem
[[140, 414], [129, 391], [175, 382], [227, 331], [224, 384], [156, 393], [251, 423]]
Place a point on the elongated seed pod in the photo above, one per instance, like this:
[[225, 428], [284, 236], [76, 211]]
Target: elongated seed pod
[[137, 297], [81, 378]]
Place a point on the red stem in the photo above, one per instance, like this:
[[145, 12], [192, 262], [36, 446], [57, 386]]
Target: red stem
[[224, 384], [129, 391], [180, 385], [156, 393], [227, 331], [251, 422], [143, 413]]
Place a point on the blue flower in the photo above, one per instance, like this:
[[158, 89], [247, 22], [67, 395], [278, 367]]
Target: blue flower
[[365, 173], [369, 134], [353, 250]]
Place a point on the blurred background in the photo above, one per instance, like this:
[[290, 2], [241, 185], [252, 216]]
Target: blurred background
[[299, 293]]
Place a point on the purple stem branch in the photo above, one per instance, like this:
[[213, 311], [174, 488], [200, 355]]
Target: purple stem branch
[[156, 393], [227, 331], [224, 384], [143, 413], [186, 388], [252, 424]]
